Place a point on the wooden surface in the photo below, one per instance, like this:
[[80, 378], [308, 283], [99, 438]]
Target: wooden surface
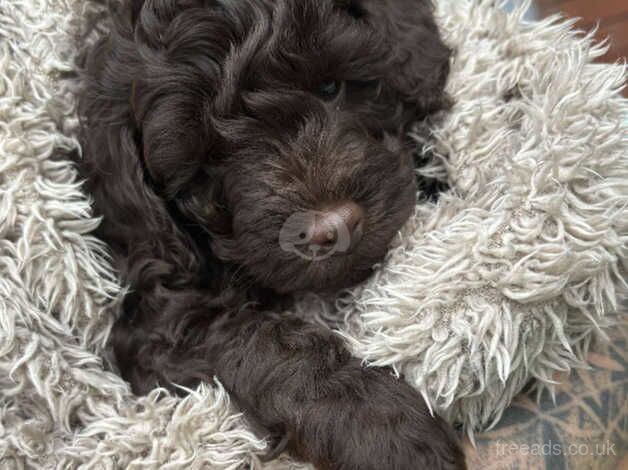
[[612, 16]]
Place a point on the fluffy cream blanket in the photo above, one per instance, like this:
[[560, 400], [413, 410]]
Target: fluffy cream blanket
[[503, 281]]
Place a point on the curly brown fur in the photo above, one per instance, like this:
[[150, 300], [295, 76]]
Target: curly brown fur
[[209, 123]]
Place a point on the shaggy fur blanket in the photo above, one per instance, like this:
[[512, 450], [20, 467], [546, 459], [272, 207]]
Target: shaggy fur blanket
[[506, 279]]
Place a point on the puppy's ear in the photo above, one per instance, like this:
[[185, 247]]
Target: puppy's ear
[[175, 142], [177, 51], [419, 58]]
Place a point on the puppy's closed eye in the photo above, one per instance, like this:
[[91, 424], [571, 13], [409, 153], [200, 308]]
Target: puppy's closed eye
[[351, 7], [329, 89]]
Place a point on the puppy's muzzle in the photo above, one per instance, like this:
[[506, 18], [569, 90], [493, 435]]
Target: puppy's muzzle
[[334, 229]]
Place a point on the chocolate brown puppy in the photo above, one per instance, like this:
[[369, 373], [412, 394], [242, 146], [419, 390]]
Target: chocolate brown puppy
[[243, 150]]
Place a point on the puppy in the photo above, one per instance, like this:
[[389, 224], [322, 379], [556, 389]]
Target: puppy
[[244, 150]]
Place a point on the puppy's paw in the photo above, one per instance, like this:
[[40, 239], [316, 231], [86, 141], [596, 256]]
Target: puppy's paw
[[368, 420]]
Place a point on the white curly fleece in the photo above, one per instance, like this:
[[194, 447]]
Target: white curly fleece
[[504, 280]]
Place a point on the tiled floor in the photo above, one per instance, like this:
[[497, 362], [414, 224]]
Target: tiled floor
[[585, 429]]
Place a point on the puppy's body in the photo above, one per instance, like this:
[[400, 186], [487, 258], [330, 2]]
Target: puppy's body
[[207, 125]]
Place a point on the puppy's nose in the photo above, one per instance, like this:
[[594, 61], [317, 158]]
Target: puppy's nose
[[340, 224]]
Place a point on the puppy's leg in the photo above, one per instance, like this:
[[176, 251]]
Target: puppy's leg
[[299, 382]]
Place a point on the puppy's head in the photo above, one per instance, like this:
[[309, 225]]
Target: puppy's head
[[277, 126]]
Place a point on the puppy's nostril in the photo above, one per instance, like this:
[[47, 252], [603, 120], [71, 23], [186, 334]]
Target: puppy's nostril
[[339, 223]]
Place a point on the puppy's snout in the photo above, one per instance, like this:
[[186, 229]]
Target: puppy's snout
[[334, 221]]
